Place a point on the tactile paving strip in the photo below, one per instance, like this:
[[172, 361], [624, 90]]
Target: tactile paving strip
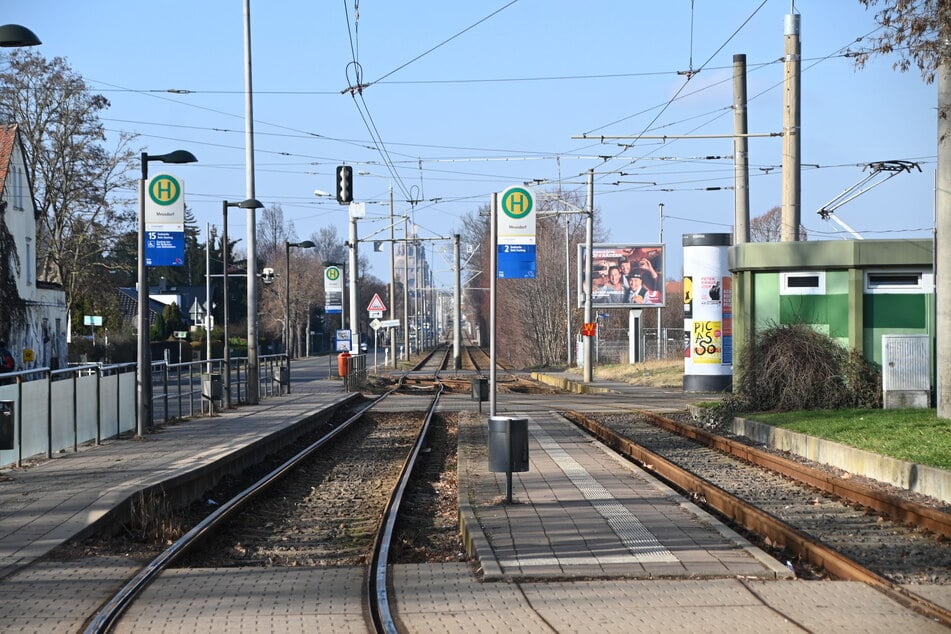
[[639, 541]]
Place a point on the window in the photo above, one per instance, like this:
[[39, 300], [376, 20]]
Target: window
[[30, 262], [909, 281], [802, 283]]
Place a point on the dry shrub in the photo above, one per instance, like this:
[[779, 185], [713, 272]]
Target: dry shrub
[[794, 367]]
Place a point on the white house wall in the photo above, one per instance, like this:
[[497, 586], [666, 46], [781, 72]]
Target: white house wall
[[45, 329]]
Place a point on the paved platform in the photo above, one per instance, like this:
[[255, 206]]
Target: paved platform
[[591, 545], [581, 512]]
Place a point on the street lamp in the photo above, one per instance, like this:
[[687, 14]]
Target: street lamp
[[250, 203], [14, 35], [144, 358], [306, 244]]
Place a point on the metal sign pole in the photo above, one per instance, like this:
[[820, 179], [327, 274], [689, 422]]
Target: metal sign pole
[[493, 272]]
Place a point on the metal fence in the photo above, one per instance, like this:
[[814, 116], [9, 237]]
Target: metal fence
[[615, 348], [44, 411]]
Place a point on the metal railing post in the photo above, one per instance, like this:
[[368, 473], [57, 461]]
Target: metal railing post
[[99, 405], [49, 415], [75, 414], [20, 421]]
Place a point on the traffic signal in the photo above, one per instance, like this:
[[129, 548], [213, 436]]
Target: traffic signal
[[344, 184]]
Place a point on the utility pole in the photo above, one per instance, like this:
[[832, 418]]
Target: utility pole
[[588, 271], [354, 315], [741, 160], [252, 375], [457, 305], [792, 139], [406, 286], [568, 286], [661, 339], [393, 280], [942, 231], [208, 297]]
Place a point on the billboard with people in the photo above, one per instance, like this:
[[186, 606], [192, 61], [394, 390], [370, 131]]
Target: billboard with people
[[623, 276]]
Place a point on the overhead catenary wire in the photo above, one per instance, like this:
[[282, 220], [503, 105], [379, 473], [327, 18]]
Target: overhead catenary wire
[[398, 160]]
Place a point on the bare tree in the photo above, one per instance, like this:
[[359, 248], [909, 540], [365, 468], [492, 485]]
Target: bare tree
[[272, 232], [330, 245], [533, 310], [914, 30], [83, 191], [769, 227]]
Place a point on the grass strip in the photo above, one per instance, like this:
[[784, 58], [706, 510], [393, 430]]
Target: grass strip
[[915, 435]]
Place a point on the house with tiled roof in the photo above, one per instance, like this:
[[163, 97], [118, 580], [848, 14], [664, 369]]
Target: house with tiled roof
[[38, 337]]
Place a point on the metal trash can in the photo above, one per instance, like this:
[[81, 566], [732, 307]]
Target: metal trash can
[[282, 374], [211, 386], [480, 389], [6, 425], [508, 444]]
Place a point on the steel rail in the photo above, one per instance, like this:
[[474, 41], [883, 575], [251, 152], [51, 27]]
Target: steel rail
[[107, 616], [376, 587], [851, 490], [759, 522]]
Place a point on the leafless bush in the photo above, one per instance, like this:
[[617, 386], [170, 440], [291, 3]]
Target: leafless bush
[[794, 367]]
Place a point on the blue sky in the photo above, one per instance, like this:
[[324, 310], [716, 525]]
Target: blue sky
[[467, 98]]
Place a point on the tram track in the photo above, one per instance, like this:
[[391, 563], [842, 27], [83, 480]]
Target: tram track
[[818, 523], [264, 542]]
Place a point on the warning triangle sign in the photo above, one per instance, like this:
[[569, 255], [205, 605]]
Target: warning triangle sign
[[376, 303]]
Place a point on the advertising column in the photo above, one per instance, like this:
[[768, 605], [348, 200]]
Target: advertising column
[[708, 313]]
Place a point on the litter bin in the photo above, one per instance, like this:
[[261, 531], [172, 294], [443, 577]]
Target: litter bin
[[480, 389], [211, 386], [342, 362], [6, 425], [508, 444], [282, 374]]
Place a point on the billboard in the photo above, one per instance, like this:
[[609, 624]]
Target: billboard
[[624, 276]]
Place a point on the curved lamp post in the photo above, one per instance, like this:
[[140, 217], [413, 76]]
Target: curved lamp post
[[144, 359], [14, 35], [306, 244], [250, 203]]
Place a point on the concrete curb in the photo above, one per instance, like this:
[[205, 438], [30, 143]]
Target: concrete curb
[[473, 537], [198, 475], [921, 479], [567, 385]]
